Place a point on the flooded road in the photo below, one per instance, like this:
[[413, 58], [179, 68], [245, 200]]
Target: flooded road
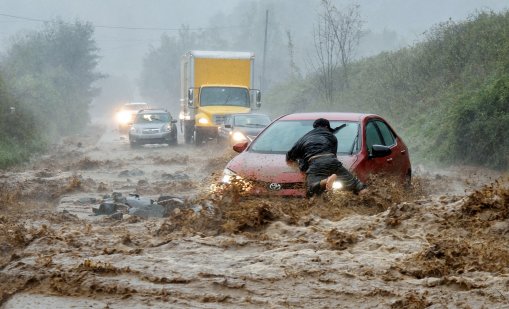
[[445, 243]]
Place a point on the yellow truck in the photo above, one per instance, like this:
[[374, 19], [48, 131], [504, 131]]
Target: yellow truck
[[214, 84]]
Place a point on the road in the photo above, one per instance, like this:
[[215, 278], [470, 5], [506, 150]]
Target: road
[[442, 244]]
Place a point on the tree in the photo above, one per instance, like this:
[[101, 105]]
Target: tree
[[336, 36], [46, 87], [241, 30], [294, 69], [160, 75], [346, 26], [159, 82], [325, 62], [52, 73]]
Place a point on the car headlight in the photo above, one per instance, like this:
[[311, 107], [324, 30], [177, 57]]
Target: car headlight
[[233, 181], [203, 120], [132, 130], [337, 185], [167, 128], [238, 137], [228, 176], [123, 117]]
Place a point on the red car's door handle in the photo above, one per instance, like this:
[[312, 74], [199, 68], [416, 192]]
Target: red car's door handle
[[403, 151], [389, 160]]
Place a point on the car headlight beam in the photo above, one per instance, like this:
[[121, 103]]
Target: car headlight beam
[[238, 137], [231, 180], [123, 117], [337, 185], [228, 176], [203, 120]]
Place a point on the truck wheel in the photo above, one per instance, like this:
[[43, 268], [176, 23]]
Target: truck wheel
[[198, 138], [188, 134]]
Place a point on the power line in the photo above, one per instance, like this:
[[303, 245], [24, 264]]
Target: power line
[[23, 18], [124, 27]]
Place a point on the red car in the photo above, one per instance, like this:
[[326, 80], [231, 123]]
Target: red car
[[366, 145]]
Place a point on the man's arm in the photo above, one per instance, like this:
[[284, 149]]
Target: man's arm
[[294, 153]]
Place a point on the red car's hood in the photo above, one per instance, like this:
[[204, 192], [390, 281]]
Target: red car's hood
[[272, 167]]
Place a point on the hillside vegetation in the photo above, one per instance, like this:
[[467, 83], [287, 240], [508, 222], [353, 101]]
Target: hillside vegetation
[[46, 88], [448, 96]]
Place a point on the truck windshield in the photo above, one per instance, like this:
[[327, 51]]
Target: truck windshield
[[232, 96]]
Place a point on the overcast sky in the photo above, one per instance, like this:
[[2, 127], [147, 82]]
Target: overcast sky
[[122, 50]]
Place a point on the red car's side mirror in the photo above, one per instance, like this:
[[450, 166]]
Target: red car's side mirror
[[240, 147], [379, 151]]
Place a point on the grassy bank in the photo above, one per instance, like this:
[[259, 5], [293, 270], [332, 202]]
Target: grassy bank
[[447, 95]]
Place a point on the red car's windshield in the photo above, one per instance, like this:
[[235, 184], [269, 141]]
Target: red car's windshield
[[282, 135]]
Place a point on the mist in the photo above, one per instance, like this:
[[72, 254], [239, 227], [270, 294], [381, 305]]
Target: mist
[[388, 24], [139, 43]]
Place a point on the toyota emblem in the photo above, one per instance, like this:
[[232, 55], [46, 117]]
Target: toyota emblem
[[275, 186]]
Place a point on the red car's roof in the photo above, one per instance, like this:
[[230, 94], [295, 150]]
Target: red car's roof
[[326, 115]]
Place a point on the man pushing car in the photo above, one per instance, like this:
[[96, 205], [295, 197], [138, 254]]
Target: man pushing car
[[315, 153]]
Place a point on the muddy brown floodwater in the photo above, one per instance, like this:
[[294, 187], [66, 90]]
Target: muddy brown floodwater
[[442, 244]]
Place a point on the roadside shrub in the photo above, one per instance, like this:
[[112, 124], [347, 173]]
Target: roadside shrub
[[47, 76], [447, 96], [480, 125], [19, 134]]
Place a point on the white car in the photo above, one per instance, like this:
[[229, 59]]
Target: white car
[[125, 115]]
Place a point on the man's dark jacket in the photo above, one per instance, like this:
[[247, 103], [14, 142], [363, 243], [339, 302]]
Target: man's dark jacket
[[317, 141]]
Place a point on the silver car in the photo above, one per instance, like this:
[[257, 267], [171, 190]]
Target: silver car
[[153, 126], [238, 128]]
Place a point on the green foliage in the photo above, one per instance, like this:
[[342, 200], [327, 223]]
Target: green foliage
[[19, 134], [289, 98], [14, 152], [479, 126], [48, 77], [160, 76], [52, 72], [436, 92]]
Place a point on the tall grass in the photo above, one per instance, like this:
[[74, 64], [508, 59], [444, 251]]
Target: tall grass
[[447, 95]]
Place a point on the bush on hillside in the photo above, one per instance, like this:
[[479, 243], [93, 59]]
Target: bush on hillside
[[48, 77], [480, 125], [435, 92]]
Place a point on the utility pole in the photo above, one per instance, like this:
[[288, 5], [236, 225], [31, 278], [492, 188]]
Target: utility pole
[[262, 82]]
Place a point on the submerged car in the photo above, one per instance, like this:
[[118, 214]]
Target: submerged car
[[367, 145], [153, 126], [125, 115], [242, 127]]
